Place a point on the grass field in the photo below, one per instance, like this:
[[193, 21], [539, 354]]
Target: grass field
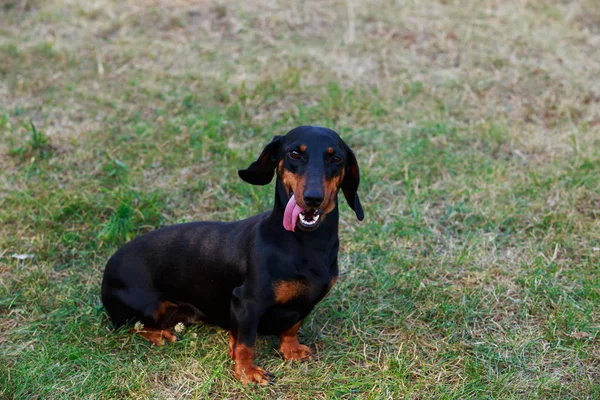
[[476, 123]]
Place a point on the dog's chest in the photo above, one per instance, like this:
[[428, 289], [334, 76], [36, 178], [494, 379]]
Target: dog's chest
[[306, 284]]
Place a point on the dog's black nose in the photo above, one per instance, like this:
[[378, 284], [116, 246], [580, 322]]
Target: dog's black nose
[[313, 198]]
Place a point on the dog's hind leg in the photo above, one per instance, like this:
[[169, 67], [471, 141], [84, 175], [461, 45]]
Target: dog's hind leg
[[134, 305], [169, 314], [166, 316]]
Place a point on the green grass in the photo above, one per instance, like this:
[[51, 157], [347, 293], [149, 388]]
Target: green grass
[[476, 272]]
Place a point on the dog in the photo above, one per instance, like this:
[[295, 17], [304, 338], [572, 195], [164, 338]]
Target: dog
[[262, 275]]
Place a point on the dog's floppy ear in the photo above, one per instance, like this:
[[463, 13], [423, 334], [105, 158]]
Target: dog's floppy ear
[[350, 184], [261, 171]]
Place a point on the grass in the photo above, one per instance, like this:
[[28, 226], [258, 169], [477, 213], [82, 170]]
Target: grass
[[476, 272]]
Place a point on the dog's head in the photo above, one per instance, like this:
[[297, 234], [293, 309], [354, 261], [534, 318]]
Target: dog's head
[[312, 163]]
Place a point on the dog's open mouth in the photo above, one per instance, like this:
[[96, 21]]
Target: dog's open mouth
[[309, 218], [294, 214]]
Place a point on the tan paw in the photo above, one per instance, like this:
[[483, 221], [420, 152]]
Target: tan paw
[[156, 336], [299, 352], [252, 374]]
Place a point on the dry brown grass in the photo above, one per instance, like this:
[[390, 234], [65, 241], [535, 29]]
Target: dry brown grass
[[477, 127]]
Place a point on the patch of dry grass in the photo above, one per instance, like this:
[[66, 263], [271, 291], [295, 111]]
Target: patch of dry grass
[[477, 128]]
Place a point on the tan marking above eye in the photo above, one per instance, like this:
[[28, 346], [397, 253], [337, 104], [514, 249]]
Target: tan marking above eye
[[330, 150], [302, 147]]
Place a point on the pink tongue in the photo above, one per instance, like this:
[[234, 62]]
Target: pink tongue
[[290, 215]]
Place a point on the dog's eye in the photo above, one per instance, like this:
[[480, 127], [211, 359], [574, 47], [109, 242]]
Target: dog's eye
[[336, 160], [294, 154]]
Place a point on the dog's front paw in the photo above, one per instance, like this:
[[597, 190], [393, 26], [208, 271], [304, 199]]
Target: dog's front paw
[[252, 374], [298, 352]]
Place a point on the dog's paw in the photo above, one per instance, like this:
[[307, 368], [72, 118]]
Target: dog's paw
[[156, 336], [252, 374], [299, 352]]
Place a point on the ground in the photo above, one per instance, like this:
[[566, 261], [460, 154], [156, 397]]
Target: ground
[[476, 272]]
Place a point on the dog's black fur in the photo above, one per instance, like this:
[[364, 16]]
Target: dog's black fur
[[250, 276]]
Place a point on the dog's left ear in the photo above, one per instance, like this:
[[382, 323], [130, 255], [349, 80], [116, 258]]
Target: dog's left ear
[[350, 184], [261, 171]]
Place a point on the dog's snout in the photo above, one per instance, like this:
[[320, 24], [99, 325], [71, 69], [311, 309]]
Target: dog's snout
[[313, 198]]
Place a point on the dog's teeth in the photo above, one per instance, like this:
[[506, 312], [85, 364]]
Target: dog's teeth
[[312, 222]]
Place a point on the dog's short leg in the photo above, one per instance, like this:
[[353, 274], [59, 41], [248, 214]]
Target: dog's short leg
[[169, 314], [158, 327], [289, 346], [244, 319], [231, 344]]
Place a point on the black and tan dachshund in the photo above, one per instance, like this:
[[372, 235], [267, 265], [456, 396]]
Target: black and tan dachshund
[[261, 275]]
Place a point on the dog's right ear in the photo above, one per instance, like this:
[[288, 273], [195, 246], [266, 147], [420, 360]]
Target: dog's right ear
[[261, 171], [350, 184]]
